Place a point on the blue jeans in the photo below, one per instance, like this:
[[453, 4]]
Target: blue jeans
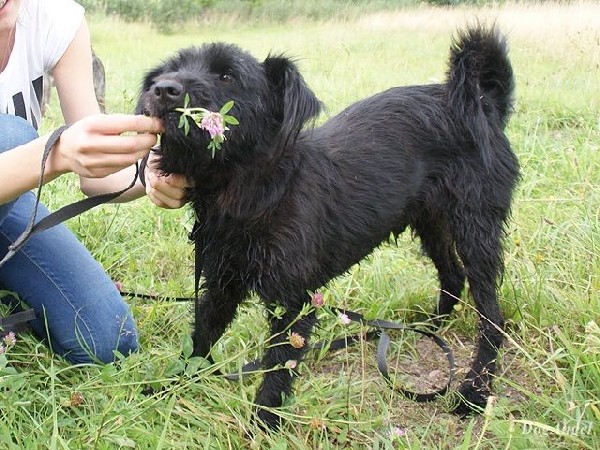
[[80, 313]]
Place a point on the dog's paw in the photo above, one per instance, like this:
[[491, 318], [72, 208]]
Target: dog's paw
[[470, 400], [267, 421]]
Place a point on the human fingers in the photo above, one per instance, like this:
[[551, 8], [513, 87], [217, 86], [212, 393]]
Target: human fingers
[[103, 155], [166, 191], [116, 133], [115, 124], [178, 181], [86, 151], [133, 144], [162, 200], [174, 179]]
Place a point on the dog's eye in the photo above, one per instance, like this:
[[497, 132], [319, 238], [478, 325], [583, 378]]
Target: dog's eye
[[226, 78]]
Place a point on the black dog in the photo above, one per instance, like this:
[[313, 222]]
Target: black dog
[[282, 210]]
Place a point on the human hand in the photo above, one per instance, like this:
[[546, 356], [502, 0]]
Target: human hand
[[166, 191], [99, 145]]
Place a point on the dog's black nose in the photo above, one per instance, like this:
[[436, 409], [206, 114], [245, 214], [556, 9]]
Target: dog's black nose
[[168, 91]]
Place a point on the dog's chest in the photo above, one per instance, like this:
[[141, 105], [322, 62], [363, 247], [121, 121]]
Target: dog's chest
[[236, 252]]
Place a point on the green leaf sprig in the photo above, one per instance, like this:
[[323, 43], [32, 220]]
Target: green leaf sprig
[[213, 122]]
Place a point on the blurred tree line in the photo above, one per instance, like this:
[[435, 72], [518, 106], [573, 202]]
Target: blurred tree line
[[167, 14], [156, 11]]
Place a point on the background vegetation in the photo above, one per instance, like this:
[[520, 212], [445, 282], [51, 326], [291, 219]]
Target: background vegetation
[[165, 15], [547, 394]]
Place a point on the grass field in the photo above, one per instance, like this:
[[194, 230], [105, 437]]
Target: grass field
[[548, 391]]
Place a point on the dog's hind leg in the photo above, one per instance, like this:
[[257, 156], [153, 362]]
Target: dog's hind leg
[[290, 334], [213, 312], [437, 242], [478, 235]]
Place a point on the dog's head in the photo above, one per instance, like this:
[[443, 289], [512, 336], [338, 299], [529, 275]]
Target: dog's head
[[271, 103]]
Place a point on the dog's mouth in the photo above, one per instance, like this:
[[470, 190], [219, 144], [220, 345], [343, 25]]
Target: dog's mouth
[[170, 118], [206, 128], [3, 3], [177, 120]]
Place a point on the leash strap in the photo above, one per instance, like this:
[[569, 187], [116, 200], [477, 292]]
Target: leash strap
[[12, 249], [142, 167], [16, 322], [383, 346], [382, 350], [64, 213]]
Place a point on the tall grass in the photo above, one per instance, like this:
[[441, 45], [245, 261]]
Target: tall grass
[[549, 380]]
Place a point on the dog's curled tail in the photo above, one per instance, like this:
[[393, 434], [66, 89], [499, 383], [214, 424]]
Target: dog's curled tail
[[480, 81]]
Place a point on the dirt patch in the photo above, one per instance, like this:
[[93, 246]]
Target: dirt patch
[[420, 365]]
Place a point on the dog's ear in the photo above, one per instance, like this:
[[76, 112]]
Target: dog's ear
[[295, 102]]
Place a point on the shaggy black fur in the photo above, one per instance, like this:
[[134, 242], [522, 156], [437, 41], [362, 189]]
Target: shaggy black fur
[[282, 209]]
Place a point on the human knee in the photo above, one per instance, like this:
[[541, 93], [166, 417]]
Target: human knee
[[105, 347], [128, 342], [103, 354], [15, 131]]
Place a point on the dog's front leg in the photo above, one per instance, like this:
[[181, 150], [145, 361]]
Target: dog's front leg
[[213, 312], [287, 347]]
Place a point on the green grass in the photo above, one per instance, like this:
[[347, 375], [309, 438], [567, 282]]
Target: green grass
[[549, 379]]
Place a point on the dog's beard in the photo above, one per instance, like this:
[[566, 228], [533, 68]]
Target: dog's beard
[[180, 152]]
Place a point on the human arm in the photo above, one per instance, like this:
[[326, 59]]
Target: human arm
[[88, 148], [74, 83]]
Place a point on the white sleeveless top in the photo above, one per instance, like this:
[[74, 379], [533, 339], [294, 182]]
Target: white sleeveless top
[[44, 30]]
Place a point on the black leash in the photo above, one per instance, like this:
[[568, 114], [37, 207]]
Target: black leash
[[15, 246], [66, 212], [379, 331], [380, 326], [382, 351], [16, 322]]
